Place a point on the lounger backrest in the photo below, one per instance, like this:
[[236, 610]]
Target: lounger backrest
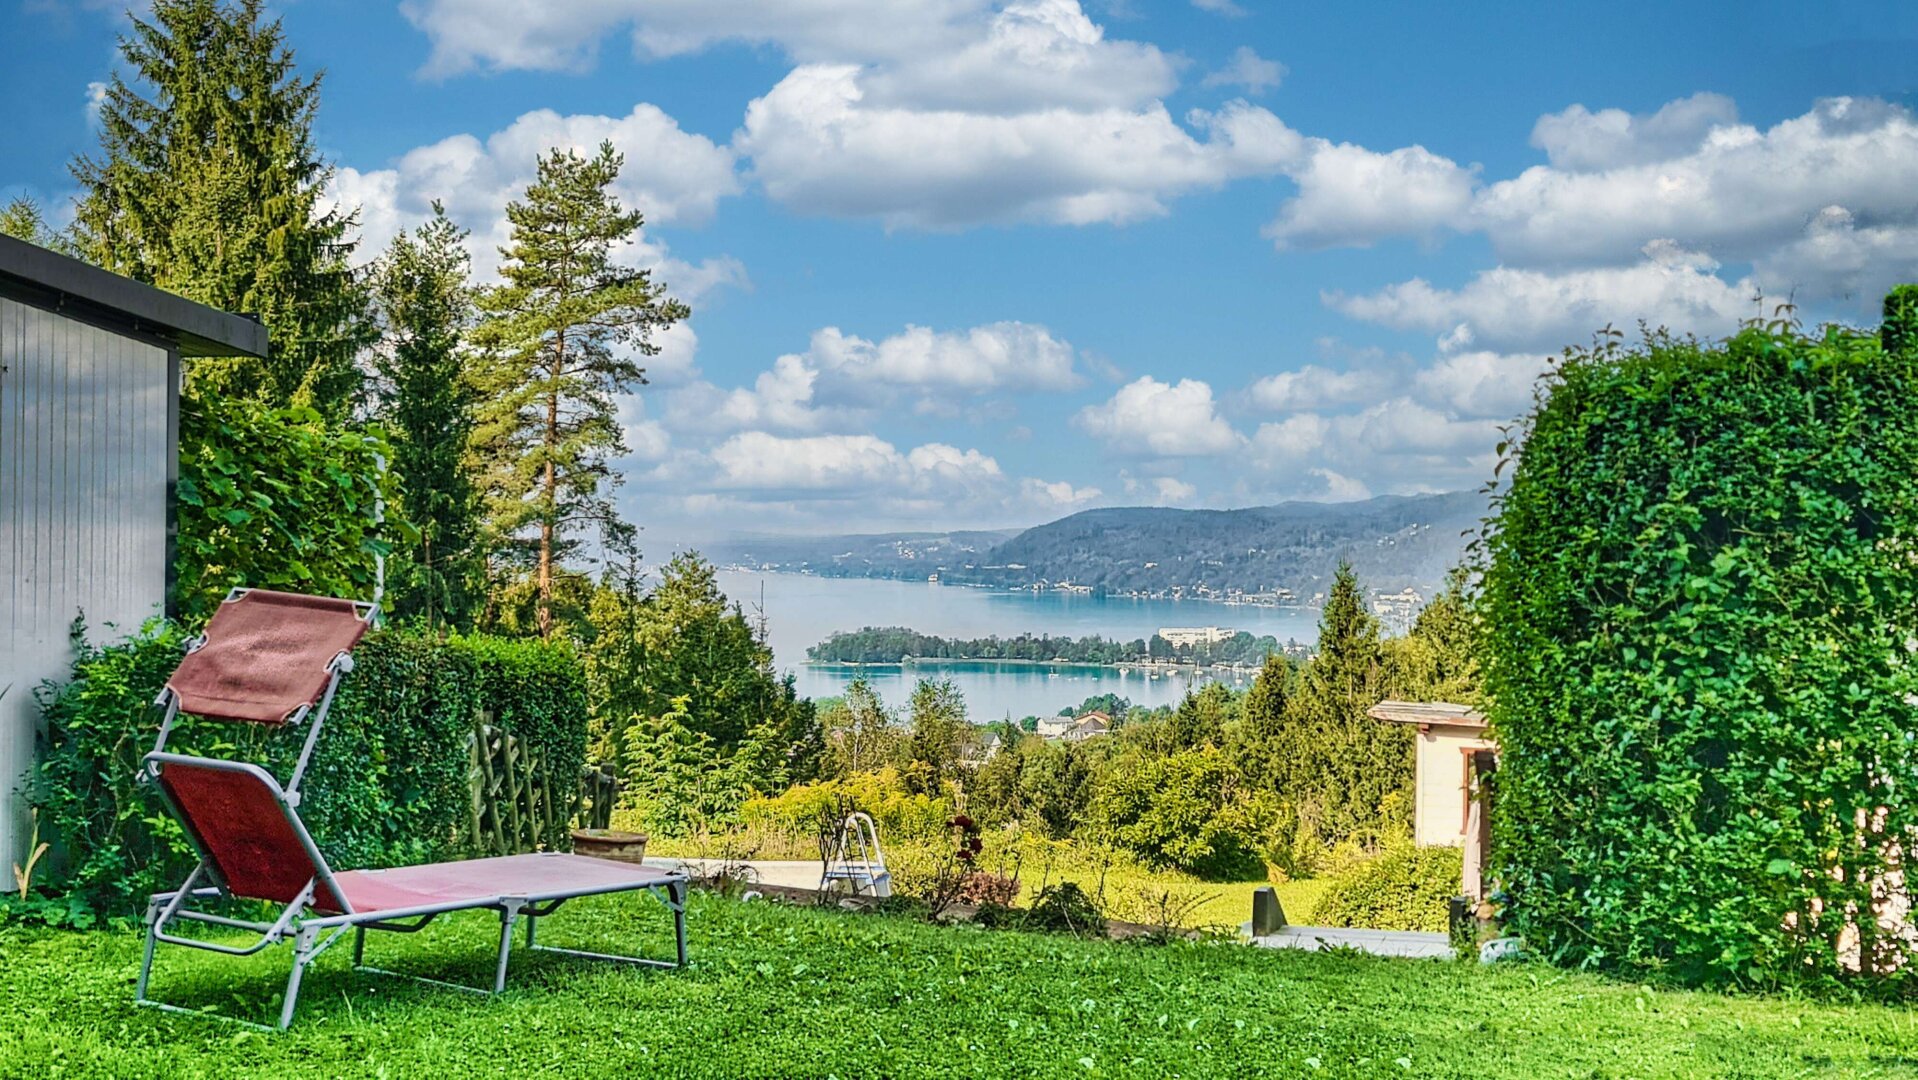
[[239, 819], [266, 655]]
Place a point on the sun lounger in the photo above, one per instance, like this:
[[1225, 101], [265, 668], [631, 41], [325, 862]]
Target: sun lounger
[[276, 658]]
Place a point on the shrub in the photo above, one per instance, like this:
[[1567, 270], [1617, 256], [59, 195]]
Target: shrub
[[387, 784], [1177, 812], [278, 499], [1065, 908], [1700, 612], [1405, 888]]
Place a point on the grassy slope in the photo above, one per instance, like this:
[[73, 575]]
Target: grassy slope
[[799, 993]]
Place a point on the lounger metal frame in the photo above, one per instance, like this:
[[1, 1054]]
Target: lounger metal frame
[[315, 932]]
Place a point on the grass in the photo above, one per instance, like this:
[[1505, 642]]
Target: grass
[[784, 992], [1132, 892]]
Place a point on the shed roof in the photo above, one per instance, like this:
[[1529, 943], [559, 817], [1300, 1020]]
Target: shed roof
[[48, 279], [1427, 712]]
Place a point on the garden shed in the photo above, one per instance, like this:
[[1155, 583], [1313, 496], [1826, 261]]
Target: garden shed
[[1452, 759], [89, 422]]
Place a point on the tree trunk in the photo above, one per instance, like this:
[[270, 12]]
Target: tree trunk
[[551, 486]]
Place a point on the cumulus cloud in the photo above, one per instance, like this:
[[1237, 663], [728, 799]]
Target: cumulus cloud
[[820, 146], [842, 378], [1316, 387], [1151, 418], [1400, 442], [1511, 309], [672, 176], [1248, 71], [1351, 196], [1740, 194], [1002, 355], [1580, 140], [512, 34], [1482, 384]]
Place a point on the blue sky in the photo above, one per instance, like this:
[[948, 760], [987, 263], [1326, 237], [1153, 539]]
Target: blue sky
[[965, 263]]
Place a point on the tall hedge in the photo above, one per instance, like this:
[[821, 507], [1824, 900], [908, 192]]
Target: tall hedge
[[387, 785], [1701, 612]]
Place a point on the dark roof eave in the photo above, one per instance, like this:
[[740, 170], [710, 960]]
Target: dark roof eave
[[49, 279]]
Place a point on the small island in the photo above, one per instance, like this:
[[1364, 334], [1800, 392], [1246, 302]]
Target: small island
[[1210, 646]]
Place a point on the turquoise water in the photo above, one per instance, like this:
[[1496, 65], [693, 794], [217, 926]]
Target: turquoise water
[[802, 611]]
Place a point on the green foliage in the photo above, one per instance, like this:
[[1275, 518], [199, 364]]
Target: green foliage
[[424, 307], [939, 738], [387, 784], [1439, 659], [891, 644], [860, 732], [1405, 888], [278, 499], [555, 345], [1066, 909], [1307, 735], [22, 219], [1175, 811], [1699, 609], [902, 816], [208, 184], [681, 681]]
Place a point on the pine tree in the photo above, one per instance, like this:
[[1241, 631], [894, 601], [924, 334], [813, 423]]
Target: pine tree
[[208, 184], [22, 220], [424, 305], [557, 341]]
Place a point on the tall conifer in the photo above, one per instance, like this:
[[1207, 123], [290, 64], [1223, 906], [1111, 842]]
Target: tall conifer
[[557, 342], [207, 183], [424, 304]]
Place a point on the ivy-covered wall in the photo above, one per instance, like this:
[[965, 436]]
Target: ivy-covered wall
[[388, 781], [1701, 611]]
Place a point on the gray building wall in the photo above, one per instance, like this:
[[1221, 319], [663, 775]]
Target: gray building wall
[[85, 453]]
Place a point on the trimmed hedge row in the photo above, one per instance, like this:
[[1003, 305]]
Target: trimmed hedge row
[[1701, 613], [387, 785], [1405, 888]]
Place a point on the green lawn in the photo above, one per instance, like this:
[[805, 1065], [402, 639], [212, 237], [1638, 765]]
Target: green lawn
[[782, 992]]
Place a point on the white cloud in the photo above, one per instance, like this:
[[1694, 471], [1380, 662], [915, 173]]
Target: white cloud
[[1839, 257], [1172, 491], [1509, 309], [1248, 71], [1483, 384], [1219, 7], [1003, 355], [672, 176], [1351, 196], [1397, 443], [1740, 194], [1579, 140], [513, 34], [756, 459], [819, 146], [1151, 418], [1315, 387], [96, 99], [1057, 495]]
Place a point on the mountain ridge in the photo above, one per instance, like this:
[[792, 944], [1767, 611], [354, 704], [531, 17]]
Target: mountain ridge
[[1393, 541]]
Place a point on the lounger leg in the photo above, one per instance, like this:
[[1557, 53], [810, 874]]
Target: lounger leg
[[146, 963], [679, 920], [359, 945], [507, 915], [532, 923], [301, 954]]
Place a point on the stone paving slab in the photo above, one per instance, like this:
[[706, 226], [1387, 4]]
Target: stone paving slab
[[1401, 943]]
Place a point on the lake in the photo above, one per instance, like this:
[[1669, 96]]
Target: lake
[[802, 610]]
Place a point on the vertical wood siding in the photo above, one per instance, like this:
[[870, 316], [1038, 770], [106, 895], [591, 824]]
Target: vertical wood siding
[[83, 468]]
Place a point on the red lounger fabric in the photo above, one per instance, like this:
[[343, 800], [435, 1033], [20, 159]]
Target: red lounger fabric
[[536, 876], [265, 656], [244, 833]]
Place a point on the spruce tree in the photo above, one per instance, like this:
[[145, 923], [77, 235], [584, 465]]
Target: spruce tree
[[557, 342], [424, 305], [1329, 756], [208, 184], [22, 220]]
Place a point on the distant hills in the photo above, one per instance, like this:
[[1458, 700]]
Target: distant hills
[[1394, 542]]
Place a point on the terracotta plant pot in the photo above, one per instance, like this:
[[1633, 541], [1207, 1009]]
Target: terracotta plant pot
[[627, 847]]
